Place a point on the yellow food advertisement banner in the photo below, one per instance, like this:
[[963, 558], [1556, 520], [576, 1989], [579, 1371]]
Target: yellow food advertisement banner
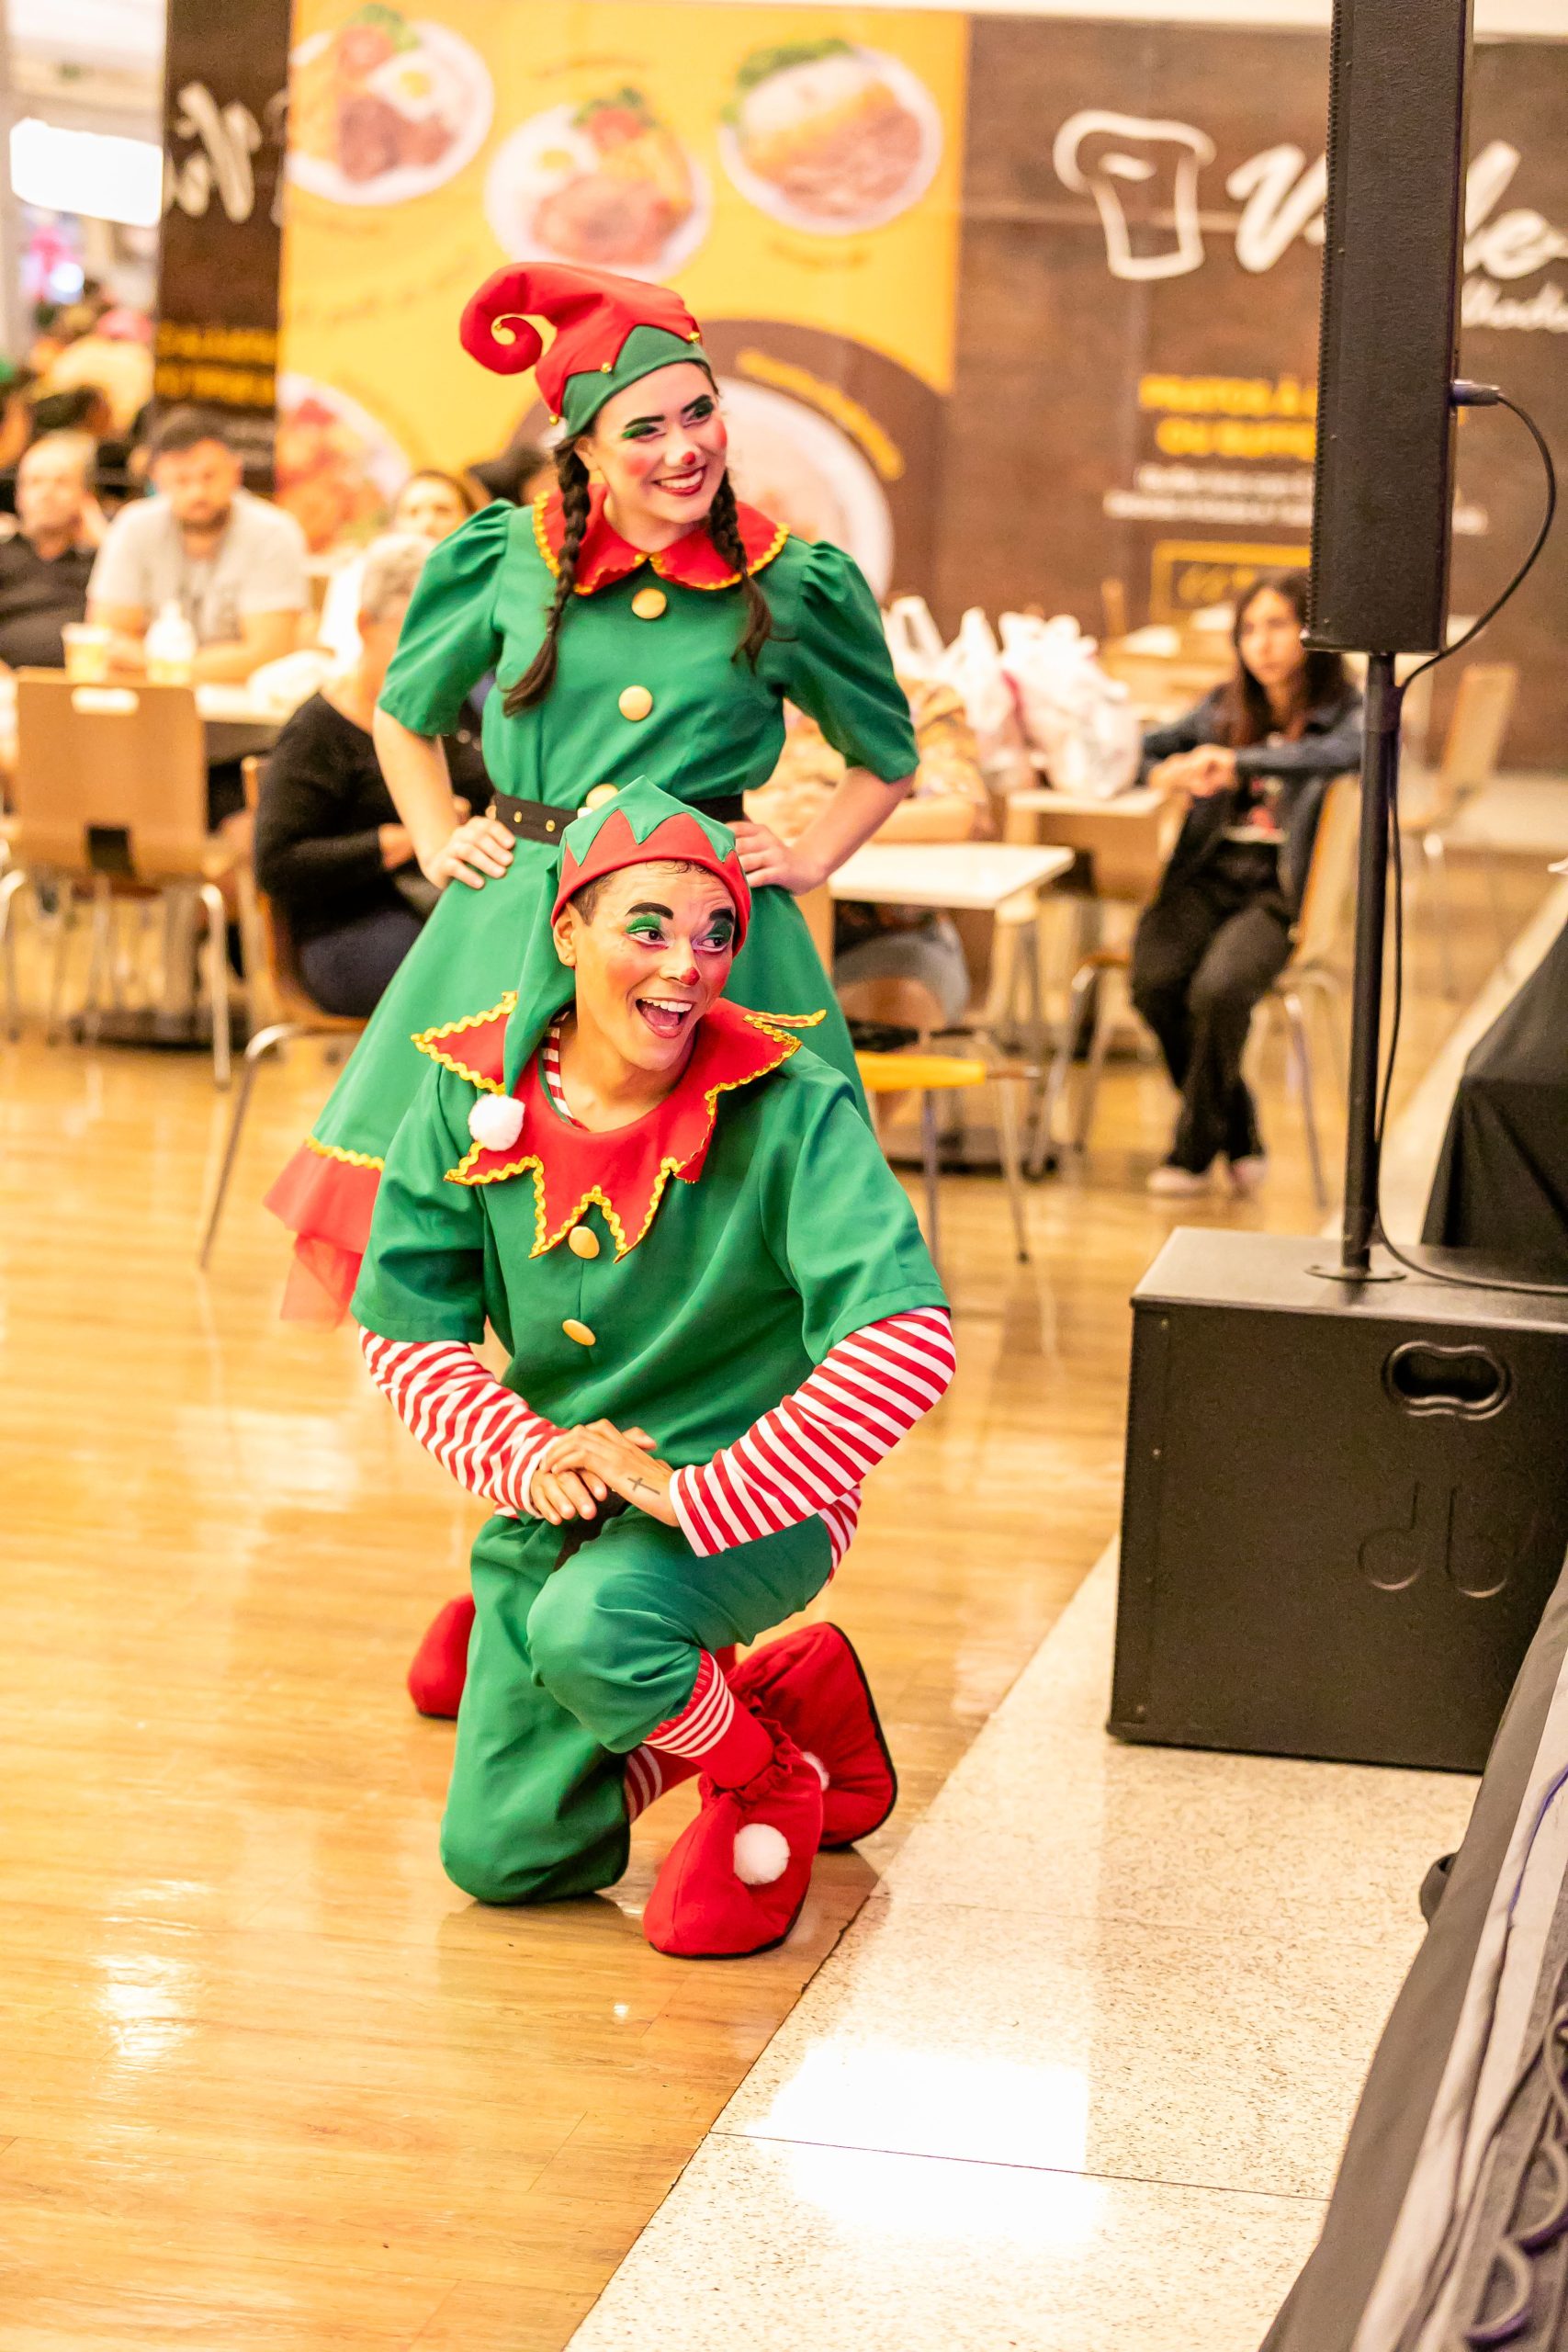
[[794, 172]]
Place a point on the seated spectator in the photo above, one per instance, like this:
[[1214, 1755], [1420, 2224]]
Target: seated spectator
[[82, 410], [46, 561], [1255, 759], [15, 426], [430, 504], [903, 965], [519, 474], [329, 846], [115, 356], [230, 563]]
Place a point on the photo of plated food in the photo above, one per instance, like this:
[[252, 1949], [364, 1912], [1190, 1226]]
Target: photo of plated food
[[384, 107], [797, 466], [828, 136], [337, 469], [604, 183]]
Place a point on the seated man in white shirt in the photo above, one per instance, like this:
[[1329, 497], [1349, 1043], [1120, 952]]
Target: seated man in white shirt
[[230, 563]]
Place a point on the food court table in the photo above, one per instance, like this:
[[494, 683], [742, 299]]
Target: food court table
[[948, 877], [236, 721]]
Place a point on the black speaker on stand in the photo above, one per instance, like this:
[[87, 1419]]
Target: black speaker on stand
[[1346, 1498]]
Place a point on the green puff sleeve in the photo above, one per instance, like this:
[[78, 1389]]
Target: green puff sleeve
[[424, 1272], [450, 638], [838, 1222], [839, 672]]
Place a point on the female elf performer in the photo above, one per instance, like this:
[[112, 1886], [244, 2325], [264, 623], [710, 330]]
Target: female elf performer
[[638, 620], [722, 1314]]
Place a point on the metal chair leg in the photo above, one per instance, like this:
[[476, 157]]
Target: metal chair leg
[[218, 978], [1094, 1069], [1437, 858], [100, 952], [65, 918], [934, 1175], [265, 1042], [1499, 918], [1007, 1135], [1042, 1149], [10, 883], [1300, 1049]]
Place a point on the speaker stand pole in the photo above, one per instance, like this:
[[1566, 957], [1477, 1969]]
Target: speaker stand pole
[[1380, 777]]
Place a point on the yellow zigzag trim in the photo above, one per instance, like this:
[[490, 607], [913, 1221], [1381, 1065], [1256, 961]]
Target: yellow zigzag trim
[[543, 1239], [541, 540], [349, 1158], [426, 1041]]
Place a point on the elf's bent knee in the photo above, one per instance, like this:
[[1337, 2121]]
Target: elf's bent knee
[[577, 1645]]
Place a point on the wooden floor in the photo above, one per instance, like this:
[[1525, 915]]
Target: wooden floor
[[268, 2080]]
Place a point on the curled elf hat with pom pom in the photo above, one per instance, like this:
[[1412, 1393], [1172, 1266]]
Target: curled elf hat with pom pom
[[610, 332]]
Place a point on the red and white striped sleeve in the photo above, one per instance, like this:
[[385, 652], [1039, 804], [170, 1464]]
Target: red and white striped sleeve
[[808, 1455], [489, 1439]]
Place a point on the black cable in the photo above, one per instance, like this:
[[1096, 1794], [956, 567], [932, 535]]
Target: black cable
[[1465, 395]]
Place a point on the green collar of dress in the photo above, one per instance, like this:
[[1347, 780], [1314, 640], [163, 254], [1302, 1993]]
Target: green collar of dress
[[692, 562]]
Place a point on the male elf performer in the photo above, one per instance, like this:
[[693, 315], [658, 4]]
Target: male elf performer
[[720, 1314]]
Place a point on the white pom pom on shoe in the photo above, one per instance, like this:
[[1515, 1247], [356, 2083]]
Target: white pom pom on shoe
[[496, 1121], [761, 1853]]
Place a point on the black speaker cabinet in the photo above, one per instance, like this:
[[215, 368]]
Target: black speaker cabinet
[[1344, 1509], [1383, 494]]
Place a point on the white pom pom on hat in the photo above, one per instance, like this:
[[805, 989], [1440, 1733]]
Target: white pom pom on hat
[[496, 1121], [761, 1853]]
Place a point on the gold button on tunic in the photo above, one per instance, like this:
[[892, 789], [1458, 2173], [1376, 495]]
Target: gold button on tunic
[[600, 793], [578, 1332], [649, 603], [582, 1241], [635, 702]]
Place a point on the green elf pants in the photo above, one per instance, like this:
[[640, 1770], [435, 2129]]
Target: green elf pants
[[571, 1669]]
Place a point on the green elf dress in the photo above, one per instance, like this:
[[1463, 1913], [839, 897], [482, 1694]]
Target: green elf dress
[[648, 684], [691, 1273]]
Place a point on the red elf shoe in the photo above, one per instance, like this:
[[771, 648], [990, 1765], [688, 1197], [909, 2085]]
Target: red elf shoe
[[811, 1682], [735, 1879], [440, 1662]]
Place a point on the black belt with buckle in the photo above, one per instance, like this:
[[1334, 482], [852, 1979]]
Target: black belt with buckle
[[537, 821]]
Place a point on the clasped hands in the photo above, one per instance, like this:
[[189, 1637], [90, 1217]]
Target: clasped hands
[[582, 1467], [1200, 773]]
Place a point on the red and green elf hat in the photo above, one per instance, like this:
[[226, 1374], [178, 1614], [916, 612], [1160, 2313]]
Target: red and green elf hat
[[609, 332], [639, 824]]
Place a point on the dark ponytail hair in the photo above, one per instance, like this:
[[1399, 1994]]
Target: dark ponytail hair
[[724, 530], [1248, 714], [539, 676]]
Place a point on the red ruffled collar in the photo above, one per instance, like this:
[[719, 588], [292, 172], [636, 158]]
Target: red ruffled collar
[[626, 1170], [693, 563]]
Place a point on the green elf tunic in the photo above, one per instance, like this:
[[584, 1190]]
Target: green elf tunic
[[740, 1232], [648, 684]]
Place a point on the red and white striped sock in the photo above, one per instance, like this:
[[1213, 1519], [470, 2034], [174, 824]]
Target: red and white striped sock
[[713, 1734]]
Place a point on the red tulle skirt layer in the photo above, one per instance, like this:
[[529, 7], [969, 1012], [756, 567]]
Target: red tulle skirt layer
[[326, 1205]]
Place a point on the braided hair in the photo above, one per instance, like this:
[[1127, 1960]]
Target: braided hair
[[724, 530], [539, 676]]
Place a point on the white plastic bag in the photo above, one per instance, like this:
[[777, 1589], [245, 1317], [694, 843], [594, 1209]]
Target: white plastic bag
[[1077, 720], [972, 667], [913, 639]]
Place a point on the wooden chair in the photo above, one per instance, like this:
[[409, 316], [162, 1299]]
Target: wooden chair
[[1433, 799], [1311, 971], [109, 797], [295, 1014], [929, 1074]]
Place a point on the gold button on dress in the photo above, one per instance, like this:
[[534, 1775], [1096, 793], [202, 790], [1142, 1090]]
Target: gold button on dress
[[649, 603], [600, 793], [582, 1241], [578, 1332], [635, 702]]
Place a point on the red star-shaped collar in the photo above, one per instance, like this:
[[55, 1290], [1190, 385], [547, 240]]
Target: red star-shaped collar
[[626, 1170], [692, 562]]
